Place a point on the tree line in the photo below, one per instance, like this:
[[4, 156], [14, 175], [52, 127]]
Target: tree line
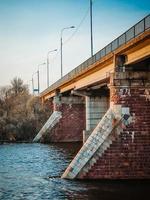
[[21, 114]]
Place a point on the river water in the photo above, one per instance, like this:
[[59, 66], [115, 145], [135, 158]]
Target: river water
[[32, 172]]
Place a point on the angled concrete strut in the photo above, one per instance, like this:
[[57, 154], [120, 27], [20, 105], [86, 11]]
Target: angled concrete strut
[[51, 122]]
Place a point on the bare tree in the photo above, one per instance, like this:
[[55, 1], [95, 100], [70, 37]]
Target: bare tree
[[18, 86]]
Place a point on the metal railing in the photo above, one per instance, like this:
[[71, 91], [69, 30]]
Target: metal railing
[[130, 34]]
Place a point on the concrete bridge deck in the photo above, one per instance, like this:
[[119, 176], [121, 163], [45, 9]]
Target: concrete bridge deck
[[134, 43]]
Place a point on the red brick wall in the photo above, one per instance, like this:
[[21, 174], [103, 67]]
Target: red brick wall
[[71, 126], [128, 157]]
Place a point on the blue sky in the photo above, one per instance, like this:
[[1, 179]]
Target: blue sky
[[30, 28]]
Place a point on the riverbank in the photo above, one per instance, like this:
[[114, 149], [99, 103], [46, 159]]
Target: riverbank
[[13, 142]]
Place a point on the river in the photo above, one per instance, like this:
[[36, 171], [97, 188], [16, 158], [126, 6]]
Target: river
[[32, 172]]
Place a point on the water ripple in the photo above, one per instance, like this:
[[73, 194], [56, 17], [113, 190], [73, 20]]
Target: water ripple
[[32, 172]]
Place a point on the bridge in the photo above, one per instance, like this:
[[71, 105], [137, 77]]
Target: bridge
[[105, 103]]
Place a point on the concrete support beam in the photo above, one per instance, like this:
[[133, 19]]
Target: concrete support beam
[[96, 107], [87, 109]]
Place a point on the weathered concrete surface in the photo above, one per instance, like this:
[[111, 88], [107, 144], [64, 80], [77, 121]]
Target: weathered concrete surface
[[96, 107]]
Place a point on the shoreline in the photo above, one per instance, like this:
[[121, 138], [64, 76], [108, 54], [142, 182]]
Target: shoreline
[[13, 142]]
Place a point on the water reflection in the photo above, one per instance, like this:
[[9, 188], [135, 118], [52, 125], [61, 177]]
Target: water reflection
[[32, 171]]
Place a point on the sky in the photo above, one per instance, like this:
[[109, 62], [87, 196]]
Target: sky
[[31, 28]]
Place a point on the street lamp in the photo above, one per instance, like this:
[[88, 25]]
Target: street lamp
[[32, 85], [91, 27], [48, 65], [38, 76], [61, 43]]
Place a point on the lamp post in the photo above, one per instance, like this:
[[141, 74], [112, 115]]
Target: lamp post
[[32, 85], [38, 76], [48, 65], [91, 28], [61, 43]]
